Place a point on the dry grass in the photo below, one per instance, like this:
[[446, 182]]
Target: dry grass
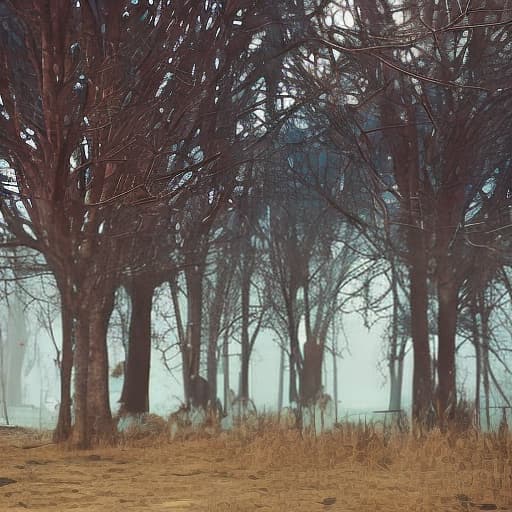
[[265, 467]]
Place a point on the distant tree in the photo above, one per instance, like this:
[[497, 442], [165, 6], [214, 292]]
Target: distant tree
[[310, 257]]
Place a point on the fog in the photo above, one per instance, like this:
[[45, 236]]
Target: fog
[[362, 379]]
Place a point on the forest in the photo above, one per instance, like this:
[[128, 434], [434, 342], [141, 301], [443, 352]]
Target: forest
[[258, 165]]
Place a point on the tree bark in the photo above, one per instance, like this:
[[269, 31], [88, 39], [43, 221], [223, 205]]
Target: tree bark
[[294, 357], [3, 390], [91, 400], [182, 337], [212, 367], [135, 394], [484, 319], [192, 355], [280, 386], [216, 312], [447, 325], [422, 379], [478, 356], [225, 367], [17, 340], [98, 403], [397, 348], [245, 291], [293, 393], [63, 429], [335, 370], [311, 375], [396, 380], [294, 365], [406, 159], [81, 435]]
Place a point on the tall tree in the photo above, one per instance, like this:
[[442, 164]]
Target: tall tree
[[84, 94]]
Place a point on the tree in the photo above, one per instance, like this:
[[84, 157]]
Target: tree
[[420, 107], [310, 253], [84, 98]]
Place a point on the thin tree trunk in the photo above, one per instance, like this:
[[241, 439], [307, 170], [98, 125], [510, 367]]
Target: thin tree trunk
[[2, 381], [397, 348], [81, 435], [16, 348], [447, 324], [63, 429], [215, 318], [225, 367], [182, 337], [335, 370], [396, 381], [409, 179], [478, 358], [280, 388], [294, 358], [194, 278], [307, 309], [422, 380], [135, 395], [245, 290], [294, 367], [212, 367], [293, 394], [485, 359]]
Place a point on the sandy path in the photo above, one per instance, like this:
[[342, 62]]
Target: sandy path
[[209, 476]]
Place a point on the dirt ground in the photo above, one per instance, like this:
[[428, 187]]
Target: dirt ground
[[270, 471]]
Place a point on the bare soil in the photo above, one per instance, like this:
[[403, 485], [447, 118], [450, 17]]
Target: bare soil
[[271, 470]]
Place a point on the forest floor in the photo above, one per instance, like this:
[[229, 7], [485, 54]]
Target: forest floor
[[273, 470]]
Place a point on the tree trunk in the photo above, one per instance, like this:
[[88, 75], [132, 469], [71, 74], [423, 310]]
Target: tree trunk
[[311, 375], [17, 340], [335, 370], [91, 400], [422, 379], [81, 435], [245, 291], [98, 403], [447, 323], [225, 367], [396, 353], [3, 390], [478, 358], [192, 355], [212, 367], [484, 319], [396, 379], [294, 359], [63, 429], [294, 366], [280, 387], [182, 337], [135, 394], [293, 393], [216, 311]]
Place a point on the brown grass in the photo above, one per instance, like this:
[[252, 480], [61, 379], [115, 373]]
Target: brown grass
[[264, 467]]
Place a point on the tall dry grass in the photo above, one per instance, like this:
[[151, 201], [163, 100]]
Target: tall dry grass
[[463, 464], [267, 441]]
